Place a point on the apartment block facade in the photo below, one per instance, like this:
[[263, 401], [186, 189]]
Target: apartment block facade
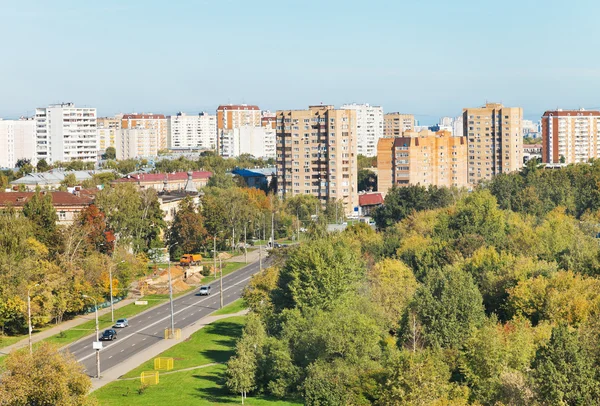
[[66, 133], [108, 130], [256, 141], [17, 141], [137, 143], [570, 136], [369, 127], [495, 140], [232, 116], [150, 124], [317, 154], [195, 131], [394, 124], [422, 158]]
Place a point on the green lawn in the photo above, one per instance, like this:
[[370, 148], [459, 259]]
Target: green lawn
[[203, 386], [231, 308]]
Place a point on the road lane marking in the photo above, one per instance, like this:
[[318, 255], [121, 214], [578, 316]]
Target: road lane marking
[[168, 316]]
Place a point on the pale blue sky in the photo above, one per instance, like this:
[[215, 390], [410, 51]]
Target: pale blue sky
[[430, 58]]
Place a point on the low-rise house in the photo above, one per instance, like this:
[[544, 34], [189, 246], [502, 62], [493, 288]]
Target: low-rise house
[[166, 181], [67, 205], [367, 202], [52, 179], [259, 178]]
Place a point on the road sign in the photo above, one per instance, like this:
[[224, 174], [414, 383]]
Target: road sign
[[97, 345]]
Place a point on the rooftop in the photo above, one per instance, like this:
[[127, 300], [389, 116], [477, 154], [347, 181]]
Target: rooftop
[[18, 199], [370, 199], [160, 177]]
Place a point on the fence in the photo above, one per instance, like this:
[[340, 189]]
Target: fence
[[163, 364], [176, 334], [149, 377]]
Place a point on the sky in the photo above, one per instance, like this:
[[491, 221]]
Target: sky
[[431, 58]]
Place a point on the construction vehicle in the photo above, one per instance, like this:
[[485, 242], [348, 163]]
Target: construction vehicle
[[190, 259]]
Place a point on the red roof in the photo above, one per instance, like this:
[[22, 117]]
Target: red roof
[[18, 199], [160, 177], [142, 116], [370, 199], [236, 107], [571, 113]]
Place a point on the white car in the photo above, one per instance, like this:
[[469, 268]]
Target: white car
[[121, 323], [204, 291]]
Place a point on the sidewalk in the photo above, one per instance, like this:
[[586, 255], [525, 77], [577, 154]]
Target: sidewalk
[[42, 335], [138, 359]]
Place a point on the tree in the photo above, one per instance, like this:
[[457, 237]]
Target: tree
[[40, 210], [48, 377], [22, 162], [42, 165], [111, 153], [392, 286], [317, 273], [563, 371], [187, 229], [69, 181], [478, 214], [366, 161], [367, 180], [241, 369], [448, 305]]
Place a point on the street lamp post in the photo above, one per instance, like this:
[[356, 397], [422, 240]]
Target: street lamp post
[[171, 292], [29, 316], [221, 281], [245, 243], [215, 254], [97, 335], [112, 304]]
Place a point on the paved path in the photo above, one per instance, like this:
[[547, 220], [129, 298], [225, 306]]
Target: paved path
[[49, 332], [114, 373], [144, 338]]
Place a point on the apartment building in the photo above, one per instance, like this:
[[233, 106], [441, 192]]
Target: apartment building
[[137, 143], [369, 127], [66, 133], [17, 141], [232, 116], [108, 129], [195, 131], [257, 141], [570, 136], [394, 124], [150, 124], [422, 158], [495, 140], [316, 154]]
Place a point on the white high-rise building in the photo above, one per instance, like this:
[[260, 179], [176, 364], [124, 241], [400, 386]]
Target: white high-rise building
[[196, 131], [66, 133], [17, 141], [457, 127], [369, 127], [259, 142]]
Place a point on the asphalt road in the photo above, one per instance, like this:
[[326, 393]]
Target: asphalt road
[[149, 328]]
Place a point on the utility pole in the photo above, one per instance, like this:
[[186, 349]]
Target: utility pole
[[29, 316], [273, 229], [215, 254], [97, 336], [245, 242], [221, 282], [172, 335], [260, 257]]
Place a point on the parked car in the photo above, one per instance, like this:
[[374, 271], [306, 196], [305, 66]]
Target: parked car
[[109, 335], [277, 245], [204, 290], [121, 323]]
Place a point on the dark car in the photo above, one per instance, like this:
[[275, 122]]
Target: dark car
[[109, 335]]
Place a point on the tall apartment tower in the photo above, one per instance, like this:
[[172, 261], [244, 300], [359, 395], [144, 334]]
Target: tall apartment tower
[[66, 133], [235, 116], [17, 141], [141, 135], [108, 130], [196, 131], [317, 154], [394, 124], [495, 140], [570, 136], [369, 127], [422, 158]]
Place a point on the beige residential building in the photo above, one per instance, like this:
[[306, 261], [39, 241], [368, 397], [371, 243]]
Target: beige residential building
[[152, 123], [495, 140], [570, 136], [108, 128], [235, 116], [316, 154], [422, 158], [394, 124]]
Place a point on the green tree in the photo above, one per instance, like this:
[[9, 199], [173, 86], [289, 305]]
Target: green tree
[[69, 181], [563, 371], [448, 305], [42, 165], [110, 153], [241, 370], [478, 214], [367, 180], [40, 210], [187, 229], [366, 161], [48, 377], [317, 273]]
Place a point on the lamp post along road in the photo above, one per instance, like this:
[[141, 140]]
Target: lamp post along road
[[245, 242], [97, 335], [215, 254], [171, 293], [221, 282]]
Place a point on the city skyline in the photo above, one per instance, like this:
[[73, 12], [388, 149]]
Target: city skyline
[[430, 60]]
